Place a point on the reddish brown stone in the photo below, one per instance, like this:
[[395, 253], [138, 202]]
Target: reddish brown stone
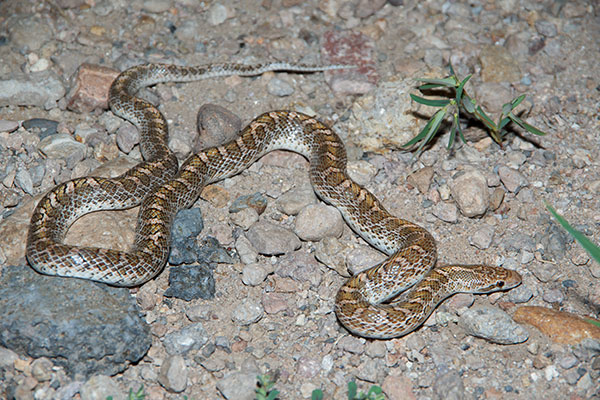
[[560, 326], [351, 48], [91, 88]]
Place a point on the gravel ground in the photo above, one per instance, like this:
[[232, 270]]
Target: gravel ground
[[255, 271]]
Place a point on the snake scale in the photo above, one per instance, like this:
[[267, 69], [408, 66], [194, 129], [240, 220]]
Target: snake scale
[[388, 300]]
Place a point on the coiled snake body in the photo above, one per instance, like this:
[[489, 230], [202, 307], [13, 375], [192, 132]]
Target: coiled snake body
[[362, 304]]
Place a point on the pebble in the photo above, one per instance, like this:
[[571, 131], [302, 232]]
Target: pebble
[[492, 324], [41, 369], [361, 172], [238, 385], [469, 190], [24, 181], [8, 126], [274, 303], [46, 127], [254, 274], [127, 137], [446, 212], [244, 218], [248, 312], [421, 179], [192, 337], [100, 387], [173, 374], [546, 28], [482, 237], [449, 386], [217, 14], [352, 344], [7, 357], [317, 221], [217, 125], [156, 6], [255, 201], [296, 199], [188, 223], [512, 179], [190, 282], [270, 239], [245, 250], [279, 87]]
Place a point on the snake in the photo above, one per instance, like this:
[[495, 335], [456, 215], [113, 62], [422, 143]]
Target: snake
[[388, 300]]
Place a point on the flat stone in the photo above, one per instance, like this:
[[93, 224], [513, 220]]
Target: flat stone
[[270, 239], [492, 324], [552, 324]]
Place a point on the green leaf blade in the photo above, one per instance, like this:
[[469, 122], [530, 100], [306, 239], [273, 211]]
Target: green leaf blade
[[430, 102], [587, 244]]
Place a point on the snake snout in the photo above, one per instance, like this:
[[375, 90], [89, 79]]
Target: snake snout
[[513, 279]]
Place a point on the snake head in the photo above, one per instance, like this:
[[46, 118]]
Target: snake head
[[498, 278]]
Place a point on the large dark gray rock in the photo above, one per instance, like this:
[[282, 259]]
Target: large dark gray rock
[[86, 327]]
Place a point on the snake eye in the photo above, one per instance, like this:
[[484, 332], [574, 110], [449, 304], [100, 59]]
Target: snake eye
[[500, 284]]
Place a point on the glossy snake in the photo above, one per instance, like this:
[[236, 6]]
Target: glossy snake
[[388, 300]]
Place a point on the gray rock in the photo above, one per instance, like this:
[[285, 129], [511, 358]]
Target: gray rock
[[156, 6], [37, 89], [173, 374], [24, 181], [127, 137], [189, 282], [41, 369], [8, 125], [59, 318], [217, 125], [41, 126], [63, 146], [270, 239], [188, 223], [492, 324], [520, 294], [191, 337], [7, 357], [545, 28]]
